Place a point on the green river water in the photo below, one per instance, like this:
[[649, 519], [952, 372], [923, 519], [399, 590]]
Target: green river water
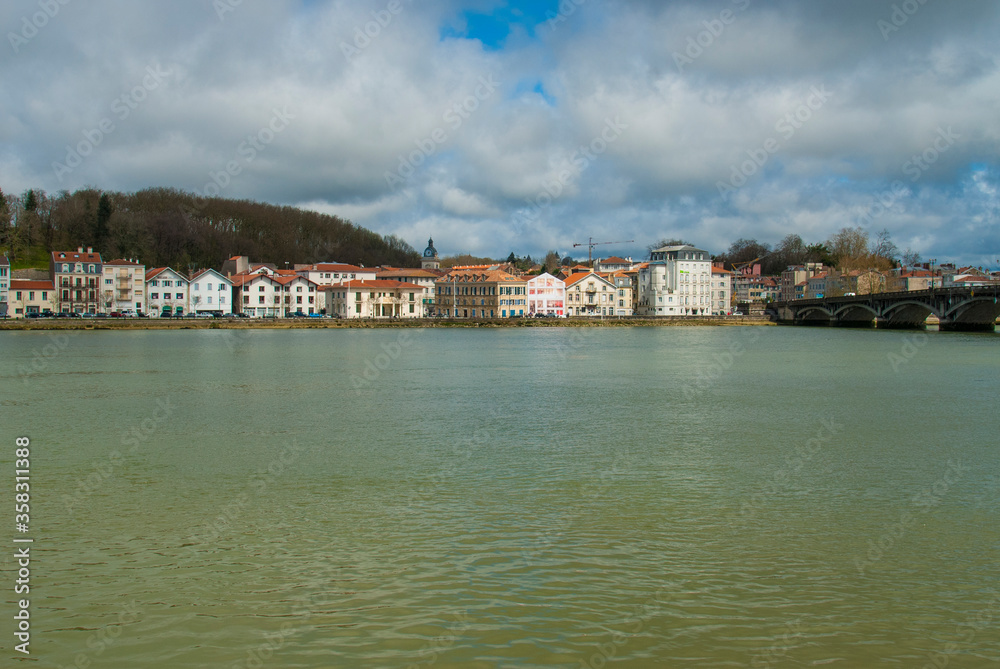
[[543, 497]]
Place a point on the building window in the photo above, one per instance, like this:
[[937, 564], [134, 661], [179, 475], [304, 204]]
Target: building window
[[154, 296]]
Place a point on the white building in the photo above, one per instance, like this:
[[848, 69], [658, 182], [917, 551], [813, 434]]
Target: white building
[[299, 295], [166, 292], [379, 298], [589, 294], [676, 282], [547, 295], [123, 287], [210, 292], [4, 285], [257, 295], [722, 291]]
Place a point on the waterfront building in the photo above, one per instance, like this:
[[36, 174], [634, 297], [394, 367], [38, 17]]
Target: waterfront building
[[210, 292], [4, 285], [123, 287], [299, 295], [166, 292], [331, 274], [676, 282], [816, 285], [624, 298], [76, 277], [546, 295], [796, 274], [257, 295], [422, 277], [378, 298], [31, 297], [722, 291], [589, 294], [481, 293]]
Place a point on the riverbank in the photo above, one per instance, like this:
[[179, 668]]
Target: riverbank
[[335, 323]]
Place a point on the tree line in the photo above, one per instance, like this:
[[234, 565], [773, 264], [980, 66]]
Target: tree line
[[165, 226], [847, 250]]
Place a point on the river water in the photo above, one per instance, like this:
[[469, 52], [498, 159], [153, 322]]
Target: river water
[[544, 497]]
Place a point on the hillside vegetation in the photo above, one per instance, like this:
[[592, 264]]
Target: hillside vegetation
[[167, 227]]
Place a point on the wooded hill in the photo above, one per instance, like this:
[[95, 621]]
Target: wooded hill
[[167, 227]]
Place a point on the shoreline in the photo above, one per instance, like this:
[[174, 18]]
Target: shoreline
[[333, 323]]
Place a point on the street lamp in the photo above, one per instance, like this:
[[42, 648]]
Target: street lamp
[[933, 260]]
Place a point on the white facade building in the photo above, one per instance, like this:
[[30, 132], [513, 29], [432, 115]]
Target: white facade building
[[4, 285], [547, 295], [381, 298], [676, 282], [210, 292], [722, 291], [166, 292], [123, 287]]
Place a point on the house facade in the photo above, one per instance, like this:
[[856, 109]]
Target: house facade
[[299, 295], [421, 277], [77, 277], [481, 293], [123, 287], [210, 292], [546, 295], [166, 292], [379, 298], [4, 285], [624, 301], [722, 291], [31, 297], [676, 282], [257, 295], [590, 294]]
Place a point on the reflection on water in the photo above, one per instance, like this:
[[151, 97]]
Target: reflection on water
[[711, 497]]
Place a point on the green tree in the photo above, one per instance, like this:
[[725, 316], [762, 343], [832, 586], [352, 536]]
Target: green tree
[[551, 262], [104, 211], [512, 259]]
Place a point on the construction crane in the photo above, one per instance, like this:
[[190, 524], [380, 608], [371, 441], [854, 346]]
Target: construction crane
[[590, 244]]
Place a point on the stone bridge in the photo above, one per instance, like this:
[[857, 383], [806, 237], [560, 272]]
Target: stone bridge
[[966, 309]]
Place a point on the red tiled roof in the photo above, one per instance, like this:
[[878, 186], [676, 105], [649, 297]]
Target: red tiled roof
[[580, 276], [74, 255], [286, 279], [150, 273], [376, 283], [615, 260], [338, 267], [419, 273], [23, 284]]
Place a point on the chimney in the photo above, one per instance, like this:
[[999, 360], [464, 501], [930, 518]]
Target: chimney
[[79, 249], [90, 249]]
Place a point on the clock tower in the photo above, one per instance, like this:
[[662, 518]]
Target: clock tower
[[430, 260]]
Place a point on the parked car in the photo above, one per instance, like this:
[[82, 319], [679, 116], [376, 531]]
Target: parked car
[[87, 314], [116, 314]]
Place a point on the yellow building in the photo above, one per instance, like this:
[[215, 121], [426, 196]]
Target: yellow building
[[481, 293]]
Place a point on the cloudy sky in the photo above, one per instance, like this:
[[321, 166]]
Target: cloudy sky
[[508, 125]]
